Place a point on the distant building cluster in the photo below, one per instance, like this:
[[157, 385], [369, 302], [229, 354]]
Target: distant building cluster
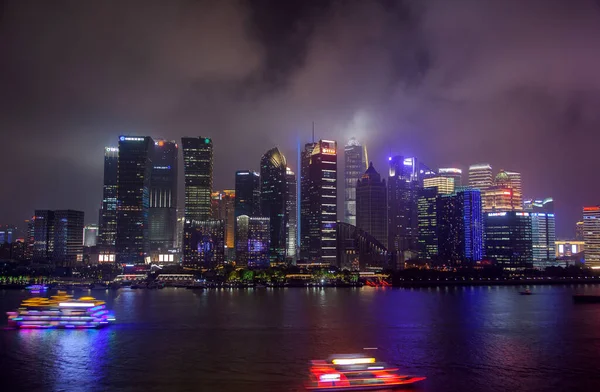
[[413, 216]]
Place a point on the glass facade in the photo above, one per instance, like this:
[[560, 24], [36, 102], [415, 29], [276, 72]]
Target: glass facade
[[591, 236], [508, 239], [371, 202], [252, 241], [427, 220], [198, 174], [163, 196], [273, 192], [291, 211], [68, 237], [204, 244], [108, 211], [355, 166], [133, 198]]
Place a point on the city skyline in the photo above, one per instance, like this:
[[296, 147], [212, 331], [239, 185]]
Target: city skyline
[[417, 92]]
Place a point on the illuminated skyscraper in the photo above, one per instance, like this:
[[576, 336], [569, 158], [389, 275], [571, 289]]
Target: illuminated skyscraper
[[247, 193], [591, 236], [198, 174], [579, 231], [90, 235], [305, 186], [252, 239], [502, 196], [273, 193], [480, 176], [291, 211], [543, 238], [508, 239], [108, 212], [68, 238], [443, 185], [7, 234], [371, 203], [204, 244], [427, 220], [451, 172], [355, 157], [404, 183], [516, 183], [43, 235], [460, 227], [223, 208], [133, 198], [322, 213], [163, 196]]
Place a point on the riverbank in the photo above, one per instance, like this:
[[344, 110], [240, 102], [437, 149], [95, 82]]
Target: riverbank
[[496, 282]]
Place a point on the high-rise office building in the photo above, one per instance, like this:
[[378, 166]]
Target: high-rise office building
[[133, 198], [108, 211], [404, 183], [443, 185], [355, 157], [427, 220], [579, 231], [371, 205], [323, 202], [516, 183], [252, 241], [43, 235], [451, 172], [591, 236], [291, 212], [502, 195], [90, 235], [543, 238], [162, 216], [358, 250], [508, 239], [68, 237], [204, 244], [223, 208], [198, 174], [480, 176], [273, 192], [460, 227], [305, 186], [247, 193]]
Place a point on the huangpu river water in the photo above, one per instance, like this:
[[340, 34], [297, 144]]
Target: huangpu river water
[[462, 339]]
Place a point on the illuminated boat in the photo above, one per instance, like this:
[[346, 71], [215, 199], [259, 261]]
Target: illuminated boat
[[356, 372], [36, 288], [60, 311]]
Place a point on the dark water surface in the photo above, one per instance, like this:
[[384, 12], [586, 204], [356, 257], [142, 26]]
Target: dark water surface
[[462, 339]]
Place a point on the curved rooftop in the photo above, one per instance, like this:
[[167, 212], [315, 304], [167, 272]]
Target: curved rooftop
[[275, 157]]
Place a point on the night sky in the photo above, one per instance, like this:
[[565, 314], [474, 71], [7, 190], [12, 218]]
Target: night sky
[[512, 83]]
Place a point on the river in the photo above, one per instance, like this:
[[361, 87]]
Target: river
[[461, 339]]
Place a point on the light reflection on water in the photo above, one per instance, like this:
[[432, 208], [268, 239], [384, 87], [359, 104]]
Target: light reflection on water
[[471, 338]]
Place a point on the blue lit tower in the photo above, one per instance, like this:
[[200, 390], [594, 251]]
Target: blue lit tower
[[133, 198], [273, 192]]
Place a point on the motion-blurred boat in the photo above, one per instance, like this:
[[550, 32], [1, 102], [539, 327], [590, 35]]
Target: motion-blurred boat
[[60, 311], [526, 292], [355, 372]]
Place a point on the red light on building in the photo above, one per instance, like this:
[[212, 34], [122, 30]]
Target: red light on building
[[597, 208]]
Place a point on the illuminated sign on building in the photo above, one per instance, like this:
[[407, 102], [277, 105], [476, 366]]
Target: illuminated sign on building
[[522, 214], [497, 214], [131, 139], [329, 151], [162, 167], [111, 149]]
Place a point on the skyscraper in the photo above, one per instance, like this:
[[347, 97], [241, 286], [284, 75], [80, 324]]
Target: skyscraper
[[355, 166], [579, 231], [305, 186], [223, 208], [371, 205], [322, 213], [480, 176], [291, 211], [517, 184], [543, 238], [204, 244], [460, 227], [108, 212], [133, 198], [247, 193], [90, 235], [443, 185], [163, 196], [198, 174], [451, 172], [68, 237], [427, 220], [252, 248], [273, 192], [43, 235], [508, 241], [591, 236], [502, 196], [404, 184]]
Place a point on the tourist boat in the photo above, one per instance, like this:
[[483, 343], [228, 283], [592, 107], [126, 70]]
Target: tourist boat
[[526, 292], [36, 288], [60, 311], [355, 372]]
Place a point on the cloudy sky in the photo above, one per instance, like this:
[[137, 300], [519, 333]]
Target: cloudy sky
[[513, 83]]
